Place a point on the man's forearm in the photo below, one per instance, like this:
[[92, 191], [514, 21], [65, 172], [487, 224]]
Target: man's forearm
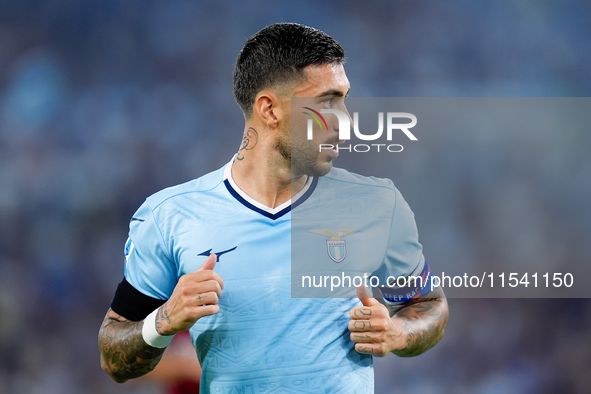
[[124, 353], [424, 320]]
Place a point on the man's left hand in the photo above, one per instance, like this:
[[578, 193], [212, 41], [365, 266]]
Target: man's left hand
[[372, 329]]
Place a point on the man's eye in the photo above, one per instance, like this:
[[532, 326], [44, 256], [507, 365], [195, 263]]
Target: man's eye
[[328, 101]]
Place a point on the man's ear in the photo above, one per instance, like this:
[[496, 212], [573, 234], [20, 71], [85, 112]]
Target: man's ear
[[268, 107]]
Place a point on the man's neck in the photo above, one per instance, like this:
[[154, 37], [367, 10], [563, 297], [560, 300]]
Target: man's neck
[[260, 171], [266, 178]]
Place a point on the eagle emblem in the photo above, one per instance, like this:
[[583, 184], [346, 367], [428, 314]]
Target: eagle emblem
[[336, 248]]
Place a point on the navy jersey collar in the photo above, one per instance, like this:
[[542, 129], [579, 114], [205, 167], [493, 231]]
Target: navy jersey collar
[[271, 213]]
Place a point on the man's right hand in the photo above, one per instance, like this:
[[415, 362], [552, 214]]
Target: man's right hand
[[195, 295]]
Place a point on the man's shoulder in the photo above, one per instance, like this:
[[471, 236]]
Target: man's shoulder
[[203, 184], [340, 176]]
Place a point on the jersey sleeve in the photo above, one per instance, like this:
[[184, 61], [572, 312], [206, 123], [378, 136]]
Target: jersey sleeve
[[149, 267], [404, 270]]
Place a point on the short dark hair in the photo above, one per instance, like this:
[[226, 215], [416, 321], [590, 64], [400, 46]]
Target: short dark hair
[[278, 54]]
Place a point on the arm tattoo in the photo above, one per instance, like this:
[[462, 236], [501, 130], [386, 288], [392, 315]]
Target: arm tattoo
[[124, 353], [162, 314], [249, 141], [424, 320]]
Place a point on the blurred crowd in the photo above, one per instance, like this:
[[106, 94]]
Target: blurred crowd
[[104, 103]]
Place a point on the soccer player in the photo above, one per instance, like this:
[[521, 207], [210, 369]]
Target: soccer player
[[214, 256]]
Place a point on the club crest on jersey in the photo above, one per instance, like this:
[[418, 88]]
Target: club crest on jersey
[[337, 248]]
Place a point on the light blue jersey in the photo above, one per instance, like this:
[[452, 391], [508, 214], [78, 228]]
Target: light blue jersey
[[263, 340]]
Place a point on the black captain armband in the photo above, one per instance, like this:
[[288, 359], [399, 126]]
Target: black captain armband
[[133, 304]]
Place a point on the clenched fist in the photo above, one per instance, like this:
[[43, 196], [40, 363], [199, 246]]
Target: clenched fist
[[195, 295], [372, 329]]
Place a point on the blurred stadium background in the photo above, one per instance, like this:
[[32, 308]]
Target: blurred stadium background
[[105, 102]]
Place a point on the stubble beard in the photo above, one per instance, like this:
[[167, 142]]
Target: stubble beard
[[302, 157]]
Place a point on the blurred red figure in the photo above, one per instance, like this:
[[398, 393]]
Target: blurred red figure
[[179, 369]]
